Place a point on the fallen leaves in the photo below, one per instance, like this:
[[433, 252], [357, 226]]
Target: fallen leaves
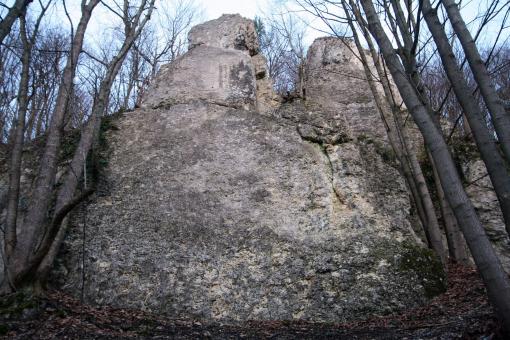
[[461, 312]]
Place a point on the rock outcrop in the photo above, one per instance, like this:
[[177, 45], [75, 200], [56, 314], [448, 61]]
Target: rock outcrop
[[336, 80], [485, 201], [214, 206]]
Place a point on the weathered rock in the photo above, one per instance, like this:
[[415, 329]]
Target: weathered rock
[[226, 214], [216, 75], [230, 31], [483, 196], [335, 79], [210, 210], [267, 100]]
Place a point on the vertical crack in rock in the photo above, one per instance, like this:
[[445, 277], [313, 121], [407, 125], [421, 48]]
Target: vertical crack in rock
[[217, 209], [323, 147]]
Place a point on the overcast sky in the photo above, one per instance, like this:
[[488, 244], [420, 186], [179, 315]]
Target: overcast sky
[[102, 21], [247, 8]]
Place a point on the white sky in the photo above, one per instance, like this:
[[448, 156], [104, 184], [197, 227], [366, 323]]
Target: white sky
[[102, 22], [247, 8]]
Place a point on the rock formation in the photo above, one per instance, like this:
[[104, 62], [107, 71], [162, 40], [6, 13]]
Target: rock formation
[[483, 196], [220, 205], [335, 79]]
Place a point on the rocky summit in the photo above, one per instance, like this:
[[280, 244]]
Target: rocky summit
[[221, 203]]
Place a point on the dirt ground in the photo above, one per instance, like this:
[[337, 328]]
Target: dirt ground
[[460, 313]]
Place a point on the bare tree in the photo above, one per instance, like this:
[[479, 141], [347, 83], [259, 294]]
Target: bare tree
[[390, 110], [21, 258], [133, 25], [17, 146], [32, 246], [500, 118], [14, 12], [495, 279], [282, 36], [274, 47], [484, 140]]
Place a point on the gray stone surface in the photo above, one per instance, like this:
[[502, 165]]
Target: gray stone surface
[[335, 79], [481, 193], [210, 210], [230, 31], [226, 214], [216, 75]]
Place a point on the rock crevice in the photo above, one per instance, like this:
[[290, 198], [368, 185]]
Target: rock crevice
[[221, 206]]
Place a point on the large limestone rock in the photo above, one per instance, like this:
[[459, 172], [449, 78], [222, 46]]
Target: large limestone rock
[[223, 66], [230, 31], [335, 79], [217, 75], [211, 210], [485, 201]]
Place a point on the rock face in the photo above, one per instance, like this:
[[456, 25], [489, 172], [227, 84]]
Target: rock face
[[214, 208], [481, 193], [335, 79], [217, 75]]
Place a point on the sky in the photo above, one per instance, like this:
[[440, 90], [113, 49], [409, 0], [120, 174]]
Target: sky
[[102, 22], [247, 8]]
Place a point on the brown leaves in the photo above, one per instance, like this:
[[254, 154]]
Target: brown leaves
[[463, 311]]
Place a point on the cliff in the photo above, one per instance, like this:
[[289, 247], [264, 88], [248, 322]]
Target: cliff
[[220, 203]]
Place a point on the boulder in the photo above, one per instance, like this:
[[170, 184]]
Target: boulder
[[225, 214], [335, 79]]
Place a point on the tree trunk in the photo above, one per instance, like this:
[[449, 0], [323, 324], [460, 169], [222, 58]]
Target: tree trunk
[[486, 145], [456, 243], [35, 220], [89, 135], [500, 118], [493, 275], [17, 146], [422, 201], [14, 12]]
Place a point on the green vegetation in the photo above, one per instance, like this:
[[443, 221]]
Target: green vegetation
[[425, 263]]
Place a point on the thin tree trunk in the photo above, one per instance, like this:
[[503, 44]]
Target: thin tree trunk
[[17, 147], [429, 220], [493, 275], [35, 220], [14, 12], [41, 116], [436, 240], [457, 247], [500, 118], [486, 145], [34, 109]]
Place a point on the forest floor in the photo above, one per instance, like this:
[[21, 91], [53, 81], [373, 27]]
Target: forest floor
[[461, 312]]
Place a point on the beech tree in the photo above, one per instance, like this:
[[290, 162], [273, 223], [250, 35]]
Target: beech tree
[[19, 129], [281, 36], [32, 240], [495, 278], [402, 22], [484, 140], [20, 260], [390, 109], [13, 13], [495, 105]]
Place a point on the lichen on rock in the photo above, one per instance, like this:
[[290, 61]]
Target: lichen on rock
[[221, 209]]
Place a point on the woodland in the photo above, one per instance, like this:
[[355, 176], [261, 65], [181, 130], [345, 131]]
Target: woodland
[[59, 91]]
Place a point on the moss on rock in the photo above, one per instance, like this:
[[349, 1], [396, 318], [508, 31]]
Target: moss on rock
[[426, 264]]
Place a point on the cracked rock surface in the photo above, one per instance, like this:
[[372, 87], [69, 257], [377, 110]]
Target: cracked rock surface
[[215, 211]]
